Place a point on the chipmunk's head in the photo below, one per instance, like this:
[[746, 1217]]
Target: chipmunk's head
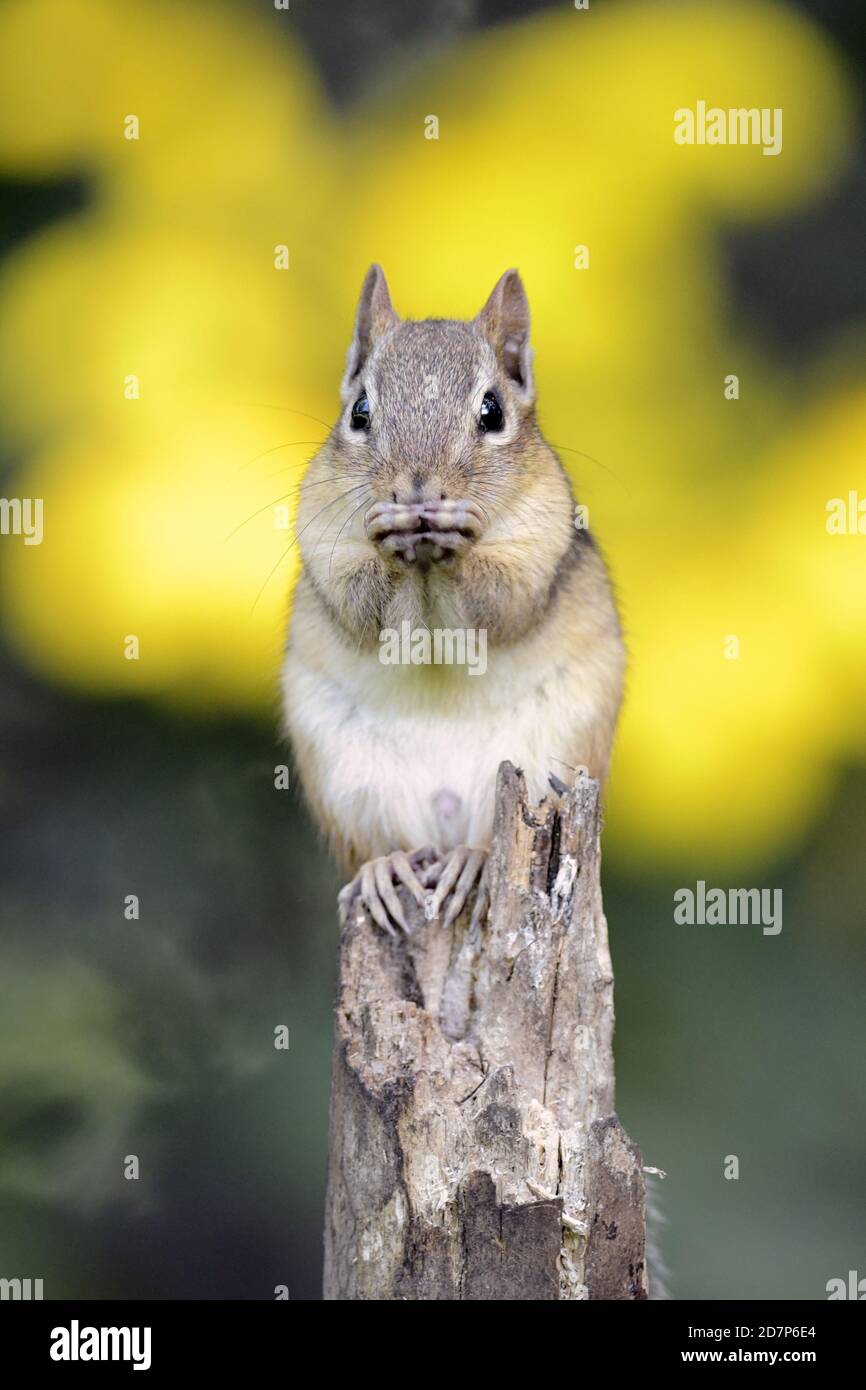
[[438, 418], [436, 472]]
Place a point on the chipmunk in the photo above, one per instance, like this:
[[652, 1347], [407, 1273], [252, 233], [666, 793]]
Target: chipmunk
[[437, 502]]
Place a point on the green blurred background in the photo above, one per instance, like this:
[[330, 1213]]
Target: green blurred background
[[155, 1037]]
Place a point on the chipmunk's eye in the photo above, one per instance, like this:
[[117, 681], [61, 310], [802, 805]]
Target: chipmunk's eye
[[491, 417], [361, 413]]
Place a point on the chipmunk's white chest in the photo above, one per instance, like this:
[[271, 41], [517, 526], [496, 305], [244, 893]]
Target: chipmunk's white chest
[[409, 757], [435, 770]]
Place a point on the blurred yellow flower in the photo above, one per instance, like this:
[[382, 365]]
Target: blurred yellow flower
[[168, 380]]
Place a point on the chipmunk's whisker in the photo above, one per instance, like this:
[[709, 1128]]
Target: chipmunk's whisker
[[297, 537], [364, 501], [282, 498], [292, 444], [518, 506], [568, 449], [289, 410]]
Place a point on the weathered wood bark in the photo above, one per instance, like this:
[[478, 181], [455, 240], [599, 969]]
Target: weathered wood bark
[[474, 1148]]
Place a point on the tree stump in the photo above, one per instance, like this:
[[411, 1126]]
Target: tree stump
[[474, 1151]]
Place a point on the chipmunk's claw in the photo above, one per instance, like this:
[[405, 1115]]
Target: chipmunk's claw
[[482, 898], [458, 873], [373, 886]]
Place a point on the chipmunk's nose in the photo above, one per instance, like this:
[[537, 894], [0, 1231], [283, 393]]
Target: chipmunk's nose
[[412, 486], [409, 491]]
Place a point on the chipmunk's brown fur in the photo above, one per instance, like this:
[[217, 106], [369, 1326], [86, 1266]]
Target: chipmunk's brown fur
[[420, 515]]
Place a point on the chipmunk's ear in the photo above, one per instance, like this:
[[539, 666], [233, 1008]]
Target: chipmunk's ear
[[376, 314], [504, 321]]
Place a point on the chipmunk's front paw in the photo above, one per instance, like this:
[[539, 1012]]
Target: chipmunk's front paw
[[456, 874], [419, 534], [374, 884]]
